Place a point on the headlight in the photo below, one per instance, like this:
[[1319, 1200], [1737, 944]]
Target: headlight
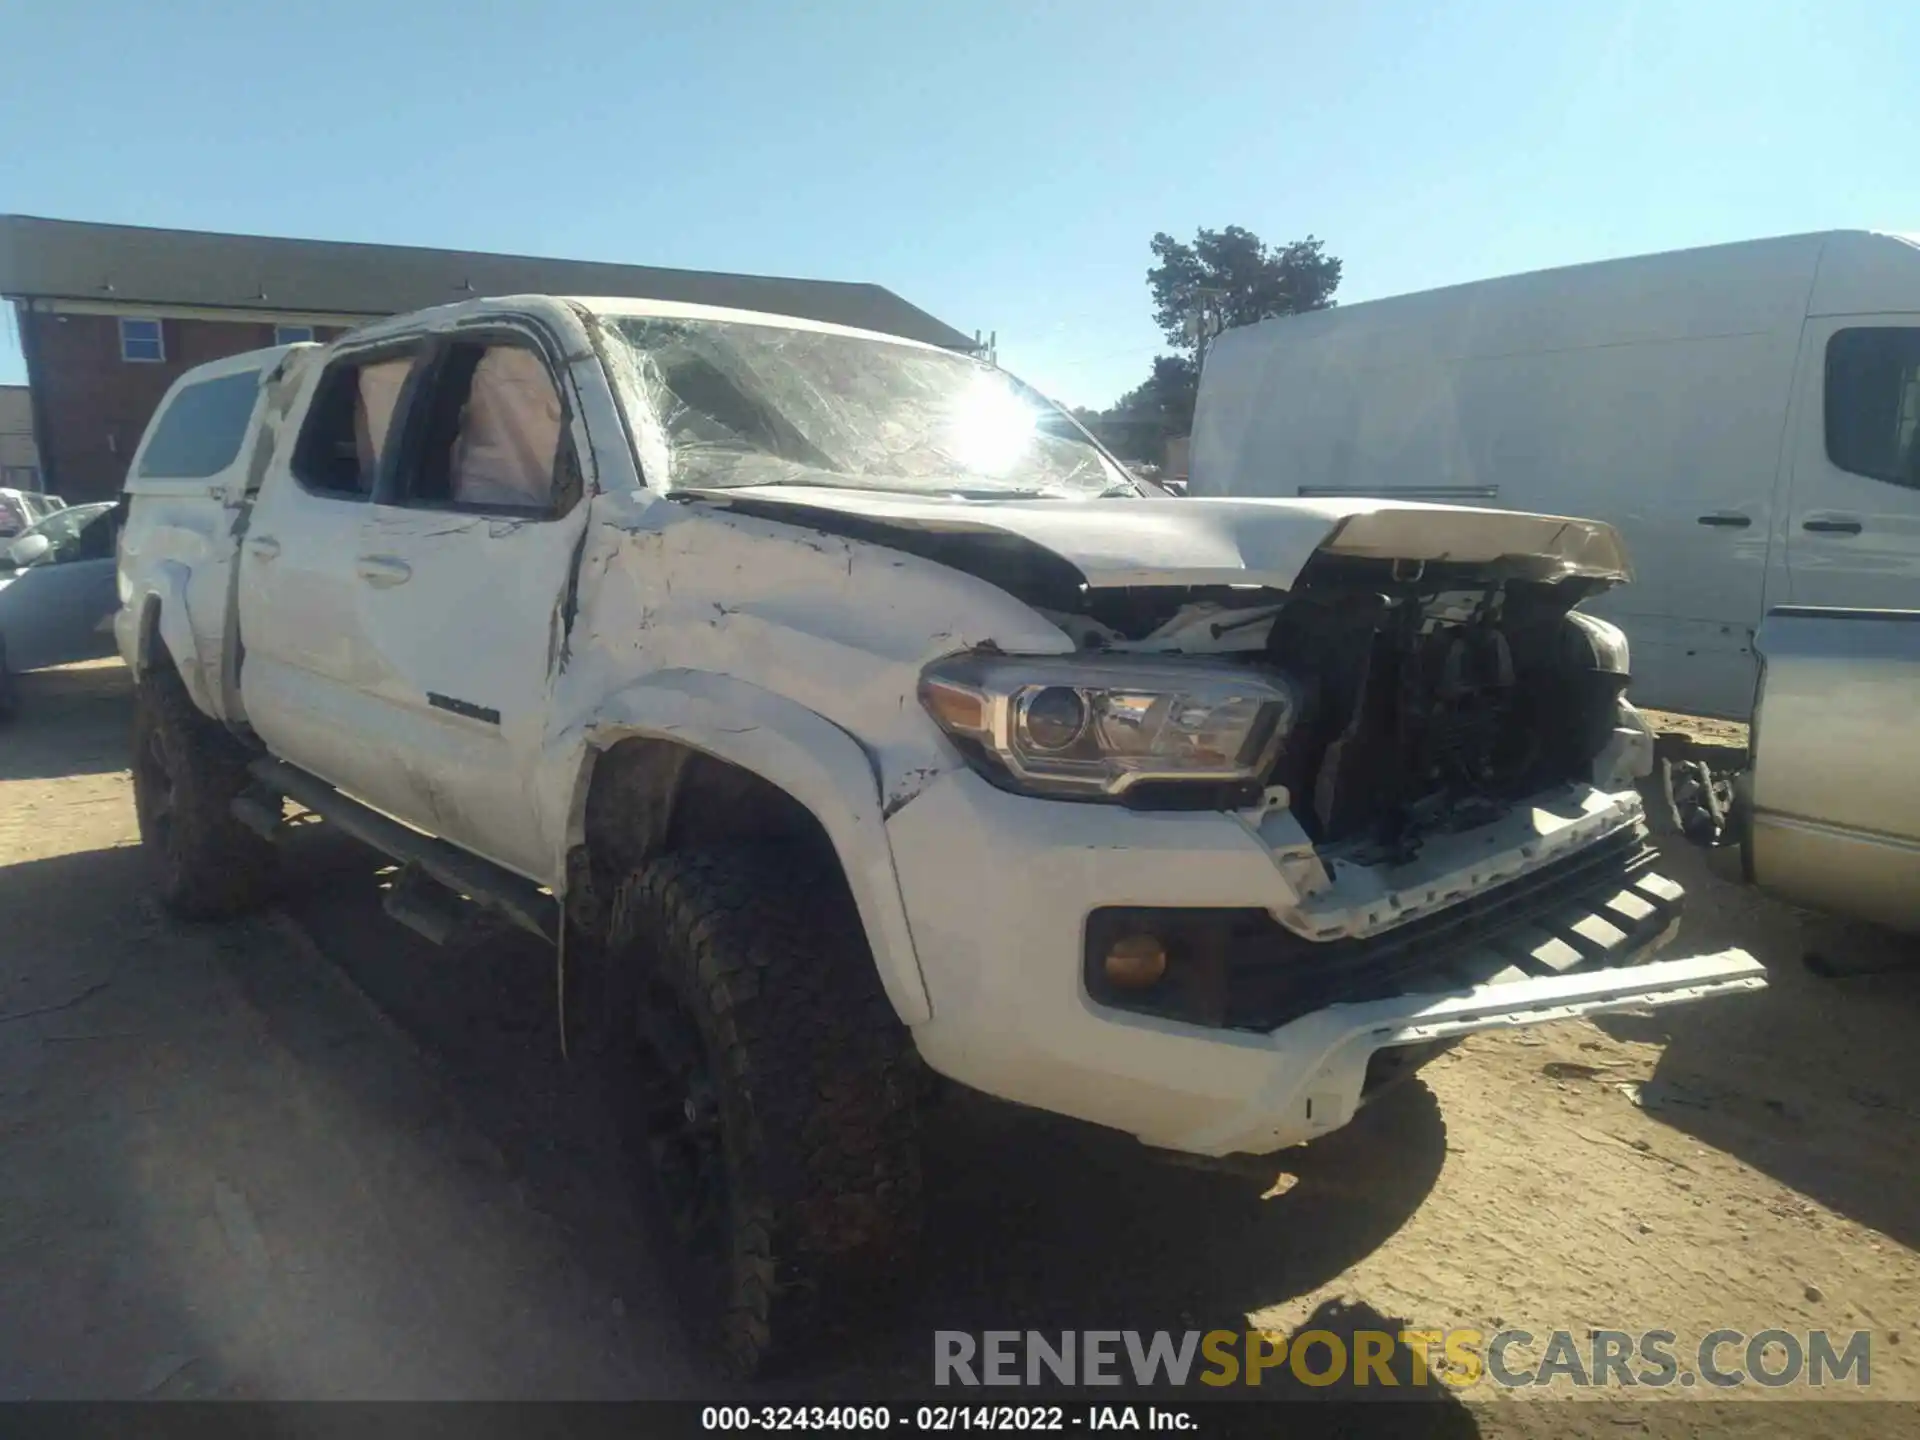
[[1097, 729]]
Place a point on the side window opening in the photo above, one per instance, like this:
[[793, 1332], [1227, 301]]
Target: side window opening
[[1873, 402], [493, 436], [199, 434], [345, 436]]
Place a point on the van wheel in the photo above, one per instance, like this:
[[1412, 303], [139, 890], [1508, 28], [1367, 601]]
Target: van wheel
[[186, 772], [777, 1099]]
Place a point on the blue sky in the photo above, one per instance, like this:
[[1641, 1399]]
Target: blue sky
[[1001, 164]]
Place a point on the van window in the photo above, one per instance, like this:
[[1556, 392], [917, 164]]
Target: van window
[[1873, 402], [199, 434], [345, 435]]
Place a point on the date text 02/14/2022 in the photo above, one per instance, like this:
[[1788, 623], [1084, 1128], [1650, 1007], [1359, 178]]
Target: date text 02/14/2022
[[941, 1418]]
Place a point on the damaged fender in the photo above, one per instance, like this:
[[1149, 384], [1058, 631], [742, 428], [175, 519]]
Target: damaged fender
[[135, 632], [809, 757]]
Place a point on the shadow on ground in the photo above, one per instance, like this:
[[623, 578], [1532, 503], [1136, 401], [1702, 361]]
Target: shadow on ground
[[1034, 1222], [1815, 1081], [226, 1175], [70, 721]]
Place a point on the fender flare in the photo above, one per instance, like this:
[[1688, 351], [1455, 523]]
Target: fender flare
[[165, 621], [802, 753]]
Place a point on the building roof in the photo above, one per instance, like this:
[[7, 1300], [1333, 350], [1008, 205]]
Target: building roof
[[75, 260]]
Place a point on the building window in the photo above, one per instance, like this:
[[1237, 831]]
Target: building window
[[141, 340], [292, 334]]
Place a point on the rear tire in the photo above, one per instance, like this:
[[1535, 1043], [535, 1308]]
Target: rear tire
[[186, 772], [778, 1093]]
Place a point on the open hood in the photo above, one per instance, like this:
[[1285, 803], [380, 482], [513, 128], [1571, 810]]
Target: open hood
[[1191, 542]]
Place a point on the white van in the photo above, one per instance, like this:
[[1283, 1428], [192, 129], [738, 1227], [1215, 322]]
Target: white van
[[1747, 415]]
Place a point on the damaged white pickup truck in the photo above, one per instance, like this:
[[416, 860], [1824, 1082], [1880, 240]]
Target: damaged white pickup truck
[[844, 703]]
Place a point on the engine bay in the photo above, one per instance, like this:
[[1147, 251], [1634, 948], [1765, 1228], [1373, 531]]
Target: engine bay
[[1436, 695]]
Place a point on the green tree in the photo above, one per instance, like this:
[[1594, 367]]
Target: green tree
[[1224, 278], [1231, 277]]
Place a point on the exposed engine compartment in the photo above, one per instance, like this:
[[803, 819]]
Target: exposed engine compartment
[[1437, 699], [1437, 695]]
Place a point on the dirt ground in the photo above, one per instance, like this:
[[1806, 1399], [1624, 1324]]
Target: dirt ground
[[307, 1155]]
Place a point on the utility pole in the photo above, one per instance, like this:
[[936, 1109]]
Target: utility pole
[[1207, 321]]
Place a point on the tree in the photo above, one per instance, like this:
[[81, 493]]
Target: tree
[[1163, 404], [1224, 278], [1137, 425], [1231, 276]]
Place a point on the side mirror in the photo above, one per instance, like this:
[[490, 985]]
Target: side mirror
[[27, 549]]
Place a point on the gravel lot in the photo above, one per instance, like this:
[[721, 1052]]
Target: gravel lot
[[307, 1155]]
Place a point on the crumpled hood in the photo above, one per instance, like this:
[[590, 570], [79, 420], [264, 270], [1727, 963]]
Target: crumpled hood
[[1186, 541]]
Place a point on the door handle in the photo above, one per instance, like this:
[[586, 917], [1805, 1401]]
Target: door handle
[[263, 547], [383, 570], [1726, 518], [1832, 527]]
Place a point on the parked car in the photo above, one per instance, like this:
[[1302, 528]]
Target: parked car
[[21, 508], [1823, 808], [852, 711], [1746, 414], [57, 598]]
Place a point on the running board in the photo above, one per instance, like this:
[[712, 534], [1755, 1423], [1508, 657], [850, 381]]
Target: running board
[[519, 900]]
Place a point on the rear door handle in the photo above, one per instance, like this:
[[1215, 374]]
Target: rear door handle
[[1832, 527], [383, 570], [263, 547], [1727, 518]]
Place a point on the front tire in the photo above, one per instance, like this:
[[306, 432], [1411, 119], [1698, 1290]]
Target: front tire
[[186, 772], [778, 1090]]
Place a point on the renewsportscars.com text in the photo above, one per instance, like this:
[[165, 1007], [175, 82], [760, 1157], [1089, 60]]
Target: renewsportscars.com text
[[1459, 1358]]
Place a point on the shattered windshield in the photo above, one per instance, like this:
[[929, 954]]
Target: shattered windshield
[[734, 404]]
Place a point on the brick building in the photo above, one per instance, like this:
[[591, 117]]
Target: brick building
[[19, 456], [109, 315]]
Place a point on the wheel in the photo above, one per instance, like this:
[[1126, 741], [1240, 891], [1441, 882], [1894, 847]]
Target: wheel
[[777, 1093], [7, 694], [186, 772]]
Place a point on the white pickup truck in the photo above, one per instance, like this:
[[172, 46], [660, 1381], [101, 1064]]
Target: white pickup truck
[[846, 708]]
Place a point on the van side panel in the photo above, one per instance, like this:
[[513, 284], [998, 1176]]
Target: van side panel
[[1649, 393]]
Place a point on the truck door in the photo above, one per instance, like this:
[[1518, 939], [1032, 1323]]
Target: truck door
[[1853, 519], [462, 576], [305, 665]]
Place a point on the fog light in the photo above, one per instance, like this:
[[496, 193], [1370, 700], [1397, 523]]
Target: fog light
[[1136, 961]]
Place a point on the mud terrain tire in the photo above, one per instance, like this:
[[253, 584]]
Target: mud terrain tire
[[186, 772], [770, 1049]]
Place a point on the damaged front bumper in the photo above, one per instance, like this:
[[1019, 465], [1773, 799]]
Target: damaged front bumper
[[1266, 1037], [1298, 1101]]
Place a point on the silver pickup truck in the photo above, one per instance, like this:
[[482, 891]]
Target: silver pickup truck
[[1823, 810]]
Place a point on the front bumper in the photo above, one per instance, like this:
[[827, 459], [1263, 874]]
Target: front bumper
[[999, 889]]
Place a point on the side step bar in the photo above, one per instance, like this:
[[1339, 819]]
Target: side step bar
[[519, 900]]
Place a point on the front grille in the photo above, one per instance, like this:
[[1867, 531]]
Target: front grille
[[1241, 969]]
